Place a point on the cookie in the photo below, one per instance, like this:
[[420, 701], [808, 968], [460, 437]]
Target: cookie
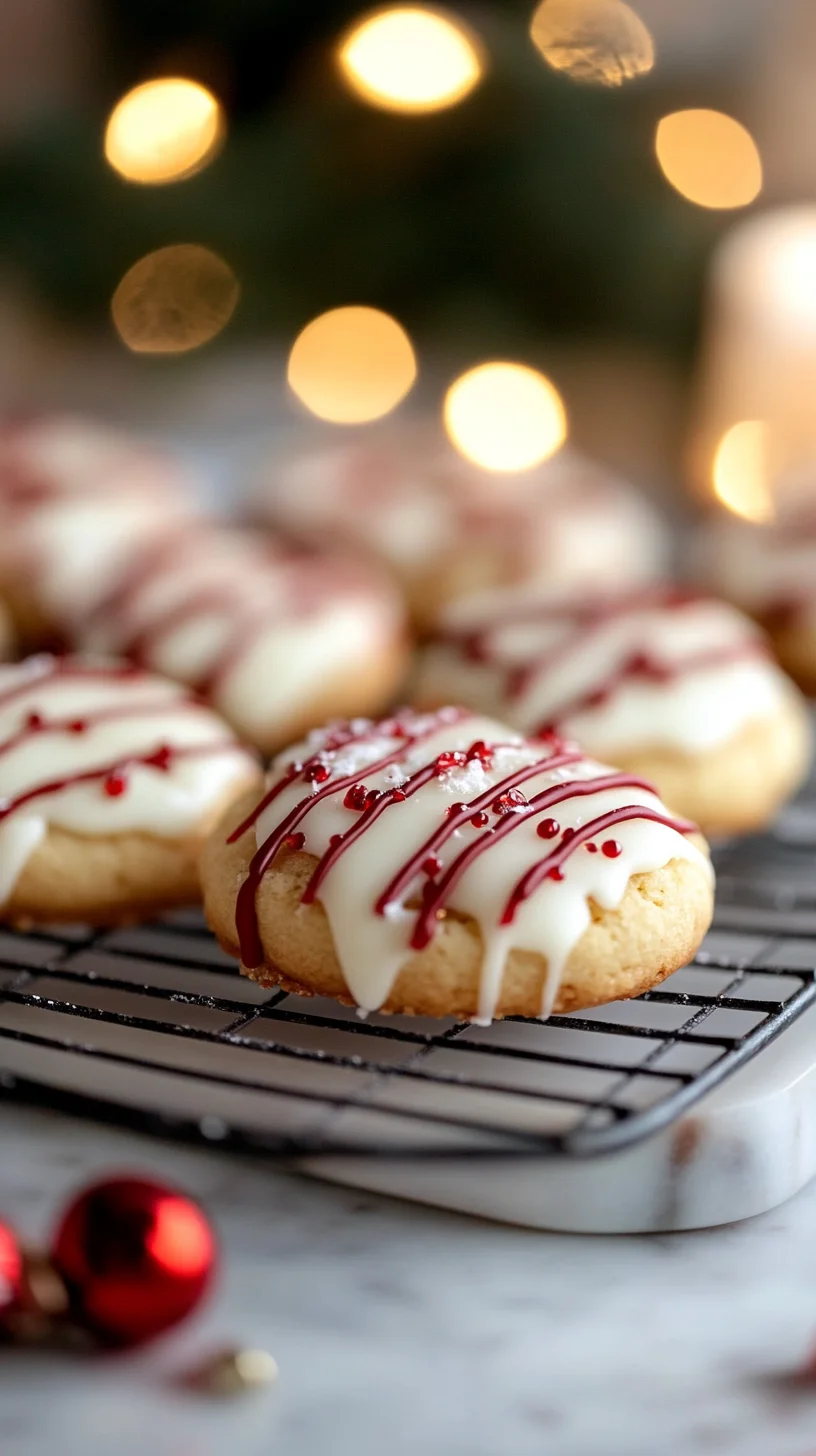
[[769, 571], [674, 686], [443, 865], [275, 636], [109, 780], [446, 528], [77, 500]]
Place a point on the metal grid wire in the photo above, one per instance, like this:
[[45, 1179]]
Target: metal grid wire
[[153, 1026]]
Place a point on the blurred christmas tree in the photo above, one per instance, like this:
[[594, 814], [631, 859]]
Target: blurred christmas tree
[[535, 208]]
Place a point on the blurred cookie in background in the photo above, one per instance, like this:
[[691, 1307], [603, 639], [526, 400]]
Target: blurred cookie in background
[[77, 500], [446, 528], [678, 687], [276, 637], [768, 570]]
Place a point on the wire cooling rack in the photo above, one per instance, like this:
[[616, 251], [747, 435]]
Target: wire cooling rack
[[153, 1026]]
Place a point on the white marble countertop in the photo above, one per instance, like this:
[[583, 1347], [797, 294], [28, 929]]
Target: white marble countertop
[[400, 1329]]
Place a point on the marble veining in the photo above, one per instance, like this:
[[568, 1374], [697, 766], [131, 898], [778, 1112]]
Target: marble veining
[[408, 1330]]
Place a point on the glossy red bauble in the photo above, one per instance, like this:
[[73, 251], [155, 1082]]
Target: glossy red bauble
[[136, 1258], [11, 1270]]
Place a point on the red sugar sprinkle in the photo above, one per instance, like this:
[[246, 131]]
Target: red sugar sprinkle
[[548, 828], [555, 874], [479, 820], [371, 797], [78, 725], [449, 760], [509, 803], [356, 797], [611, 848], [335, 839], [316, 773], [114, 785], [398, 795], [567, 836], [295, 841], [593, 848], [161, 758], [454, 809], [481, 751], [34, 721], [431, 865]]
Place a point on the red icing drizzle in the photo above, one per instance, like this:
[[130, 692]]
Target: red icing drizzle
[[246, 919], [553, 862], [477, 645], [572, 789], [244, 604], [502, 805], [113, 777]]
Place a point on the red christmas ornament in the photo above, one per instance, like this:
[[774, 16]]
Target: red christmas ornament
[[136, 1258], [11, 1270]]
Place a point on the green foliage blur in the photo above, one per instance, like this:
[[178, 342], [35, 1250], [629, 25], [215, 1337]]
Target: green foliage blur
[[534, 209]]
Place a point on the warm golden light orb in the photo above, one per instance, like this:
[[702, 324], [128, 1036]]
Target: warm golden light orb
[[504, 416], [741, 471], [411, 58], [600, 42], [174, 300], [163, 131], [709, 158], [351, 365]]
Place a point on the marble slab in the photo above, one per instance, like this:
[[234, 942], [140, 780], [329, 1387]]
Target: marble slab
[[745, 1148]]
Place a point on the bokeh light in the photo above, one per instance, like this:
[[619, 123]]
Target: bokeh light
[[504, 416], [351, 365], [709, 158], [741, 471], [175, 299], [411, 58], [601, 42], [163, 131]]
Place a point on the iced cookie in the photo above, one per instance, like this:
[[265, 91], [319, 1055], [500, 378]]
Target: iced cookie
[[446, 528], [275, 636], [109, 780], [769, 571], [76, 501], [678, 687], [445, 866]]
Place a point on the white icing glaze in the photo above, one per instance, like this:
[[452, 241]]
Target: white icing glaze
[[414, 501], [372, 947], [79, 548], [705, 671], [258, 627], [127, 716]]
